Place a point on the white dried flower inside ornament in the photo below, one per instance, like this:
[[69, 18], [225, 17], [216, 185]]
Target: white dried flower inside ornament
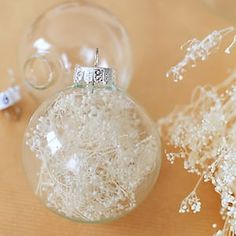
[[90, 153]]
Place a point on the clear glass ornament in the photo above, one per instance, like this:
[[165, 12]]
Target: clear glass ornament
[[90, 152], [65, 36]]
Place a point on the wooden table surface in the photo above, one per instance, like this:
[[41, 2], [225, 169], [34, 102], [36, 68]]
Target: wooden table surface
[[157, 28]]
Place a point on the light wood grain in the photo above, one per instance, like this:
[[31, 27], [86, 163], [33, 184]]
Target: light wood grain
[[157, 28]]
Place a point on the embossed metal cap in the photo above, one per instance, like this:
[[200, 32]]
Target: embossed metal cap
[[94, 76]]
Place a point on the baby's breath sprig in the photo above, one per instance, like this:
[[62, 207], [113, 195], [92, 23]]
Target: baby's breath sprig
[[192, 201], [203, 135], [199, 50]]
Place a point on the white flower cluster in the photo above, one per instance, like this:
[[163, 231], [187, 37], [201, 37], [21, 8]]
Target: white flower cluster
[[190, 203], [203, 134], [197, 50], [96, 151]]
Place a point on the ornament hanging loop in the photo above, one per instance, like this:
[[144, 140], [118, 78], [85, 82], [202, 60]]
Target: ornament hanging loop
[[96, 59]]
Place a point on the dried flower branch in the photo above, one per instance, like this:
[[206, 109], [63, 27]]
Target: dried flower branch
[[197, 50], [192, 202], [231, 46], [203, 134]]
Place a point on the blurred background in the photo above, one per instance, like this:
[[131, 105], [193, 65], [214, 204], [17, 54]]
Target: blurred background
[[157, 29]]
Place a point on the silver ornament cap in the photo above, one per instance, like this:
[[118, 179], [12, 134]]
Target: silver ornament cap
[[95, 76]]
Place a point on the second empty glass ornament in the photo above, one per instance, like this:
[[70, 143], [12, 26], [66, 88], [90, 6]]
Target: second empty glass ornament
[[66, 35]]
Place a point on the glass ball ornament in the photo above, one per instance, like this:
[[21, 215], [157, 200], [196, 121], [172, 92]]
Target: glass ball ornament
[[66, 35], [91, 154]]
